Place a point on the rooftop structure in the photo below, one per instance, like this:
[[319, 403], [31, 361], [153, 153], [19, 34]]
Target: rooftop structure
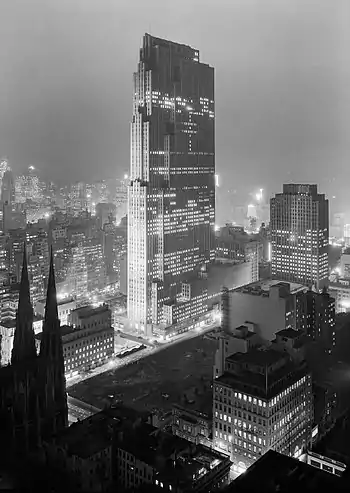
[[176, 464], [275, 472], [262, 401], [267, 306], [265, 286]]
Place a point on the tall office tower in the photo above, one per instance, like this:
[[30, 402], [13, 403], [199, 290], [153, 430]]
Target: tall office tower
[[171, 196], [8, 187], [299, 236]]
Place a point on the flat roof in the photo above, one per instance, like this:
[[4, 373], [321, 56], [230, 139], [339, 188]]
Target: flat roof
[[266, 284], [65, 330], [257, 384], [290, 333], [276, 472], [201, 405], [60, 302], [158, 448], [335, 444], [260, 357], [87, 311]]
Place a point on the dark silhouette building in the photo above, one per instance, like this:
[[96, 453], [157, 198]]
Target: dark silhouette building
[[33, 399]]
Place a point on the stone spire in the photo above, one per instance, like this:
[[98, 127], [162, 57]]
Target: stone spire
[[51, 348], [24, 340], [51, 343]]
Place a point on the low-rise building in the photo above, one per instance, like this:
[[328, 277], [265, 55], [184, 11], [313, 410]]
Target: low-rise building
[[88, 317], [148, 455], [64, 307], [85, 450], [340, 291], [332, 452], [85, 348], [276, 472], [194, 422]]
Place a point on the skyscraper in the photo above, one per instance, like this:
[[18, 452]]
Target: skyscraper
[[299, 235], [171, 195]]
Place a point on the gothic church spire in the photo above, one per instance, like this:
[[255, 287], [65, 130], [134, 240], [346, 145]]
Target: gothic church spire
[[51, 343], [24, 340]]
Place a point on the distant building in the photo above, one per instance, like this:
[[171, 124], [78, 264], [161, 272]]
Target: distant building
[[105, 213], [233, 244], [263, 401], [345, 265], [268, 306], [65, 307], [299, 235], [319, 309], [88, 317], [340, 291], [347, 235]]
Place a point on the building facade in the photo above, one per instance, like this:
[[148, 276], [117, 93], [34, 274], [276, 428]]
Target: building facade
[[299, 235], [264, 306], [320, 318], [263, 401], [171, 195], [340, 291], [146, 455]]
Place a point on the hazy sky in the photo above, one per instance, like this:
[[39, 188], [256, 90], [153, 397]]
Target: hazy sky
[[282, 85]]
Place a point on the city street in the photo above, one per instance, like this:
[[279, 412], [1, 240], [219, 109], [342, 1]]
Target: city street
[[116, 363]]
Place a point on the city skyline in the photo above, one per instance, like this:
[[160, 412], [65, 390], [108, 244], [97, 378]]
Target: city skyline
[[289, 122]]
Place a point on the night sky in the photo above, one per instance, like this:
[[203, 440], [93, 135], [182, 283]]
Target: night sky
[[282, 85]]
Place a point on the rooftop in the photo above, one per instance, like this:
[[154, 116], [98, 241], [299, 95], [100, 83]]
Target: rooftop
[[276, 472], [176, 460], [258, 384], [88, 311], [65, 330], [266, 284], [259, 357], [290, 333], [200, 406], [94, 434], [335, 443], [60, 302]]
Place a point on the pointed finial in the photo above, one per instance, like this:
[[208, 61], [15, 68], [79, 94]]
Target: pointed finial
[[24, 292], [51, 297]]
